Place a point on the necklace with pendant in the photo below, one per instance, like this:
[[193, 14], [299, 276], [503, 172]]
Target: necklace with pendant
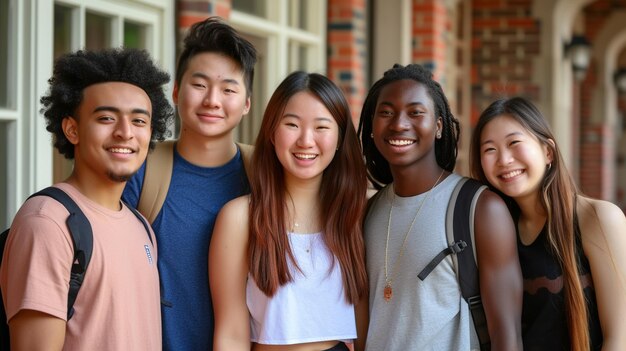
[[388, 290]]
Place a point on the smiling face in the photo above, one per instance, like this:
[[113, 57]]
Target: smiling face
[[306, 138], [514, 161], [211, 96], [405, 125], [110, 132]]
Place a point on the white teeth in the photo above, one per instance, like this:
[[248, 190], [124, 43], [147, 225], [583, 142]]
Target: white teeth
[[119, 150], [306, 156], [401, 142], [512, 174]]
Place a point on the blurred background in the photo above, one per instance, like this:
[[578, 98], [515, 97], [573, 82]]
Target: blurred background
[[567, 56]]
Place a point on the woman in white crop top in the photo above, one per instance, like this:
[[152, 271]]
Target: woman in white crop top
[[286, 263]]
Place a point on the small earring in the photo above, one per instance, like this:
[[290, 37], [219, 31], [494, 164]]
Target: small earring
[[549, 165], [438, 134], [372, 135]]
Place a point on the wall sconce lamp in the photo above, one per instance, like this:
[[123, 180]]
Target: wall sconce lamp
[[579, 52], [619, 78]]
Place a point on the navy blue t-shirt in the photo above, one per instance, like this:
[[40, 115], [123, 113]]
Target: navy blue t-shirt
[[183, 230]]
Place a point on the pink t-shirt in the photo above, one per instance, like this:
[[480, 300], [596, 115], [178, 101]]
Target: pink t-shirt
[[118, 305]]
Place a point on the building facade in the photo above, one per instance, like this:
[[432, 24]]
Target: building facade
[[479, 50]]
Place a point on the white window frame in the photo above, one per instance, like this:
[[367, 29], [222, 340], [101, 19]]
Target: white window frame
[[275, 65], [30, 153]]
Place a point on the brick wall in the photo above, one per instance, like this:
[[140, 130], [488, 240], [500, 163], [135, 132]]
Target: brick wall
[[347, 55], [189, 12], [192, 11], [620, 196], [505, 40], [597, 139], [429, 27]]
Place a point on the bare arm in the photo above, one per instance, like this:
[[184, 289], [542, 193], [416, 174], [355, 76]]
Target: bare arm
[[228, 271], [603, 231], [499, 271], [33, 330]]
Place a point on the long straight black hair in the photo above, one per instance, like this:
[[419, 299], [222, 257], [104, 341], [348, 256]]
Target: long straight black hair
[[557, 194]]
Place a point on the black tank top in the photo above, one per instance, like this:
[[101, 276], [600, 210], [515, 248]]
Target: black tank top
[[544, 324]]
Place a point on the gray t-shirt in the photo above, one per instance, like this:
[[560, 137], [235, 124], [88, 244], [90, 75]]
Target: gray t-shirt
[[421, 315]]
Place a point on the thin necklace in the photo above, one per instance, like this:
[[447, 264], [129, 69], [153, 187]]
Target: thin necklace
[[388, 291]]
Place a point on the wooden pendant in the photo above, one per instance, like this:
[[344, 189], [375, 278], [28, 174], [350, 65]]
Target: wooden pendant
[[388, 292]]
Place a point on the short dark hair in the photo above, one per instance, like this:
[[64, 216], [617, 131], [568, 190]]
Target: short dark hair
[[446, 150], [215, 35], [76, 71]]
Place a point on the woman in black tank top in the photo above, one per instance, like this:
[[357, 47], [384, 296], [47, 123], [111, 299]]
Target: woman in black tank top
[[563, 237]]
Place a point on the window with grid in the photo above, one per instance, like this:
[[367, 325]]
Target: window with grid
[[289, 35]]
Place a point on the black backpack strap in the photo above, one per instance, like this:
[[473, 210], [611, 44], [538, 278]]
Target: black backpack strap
[[454, 248], [146, 226], [5, 343], [467, 270], [457, 243], [141, 219], [460, 235], [82, 239]]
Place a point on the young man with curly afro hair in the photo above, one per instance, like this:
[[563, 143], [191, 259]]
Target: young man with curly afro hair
[[104, 109]]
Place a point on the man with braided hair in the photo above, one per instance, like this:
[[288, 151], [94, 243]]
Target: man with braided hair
[[104, 110], [409, 138]]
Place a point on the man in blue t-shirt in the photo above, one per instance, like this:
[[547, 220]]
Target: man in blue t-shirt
[[212, 93]]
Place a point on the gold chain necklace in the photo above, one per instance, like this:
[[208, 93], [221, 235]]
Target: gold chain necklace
[[388, 291]]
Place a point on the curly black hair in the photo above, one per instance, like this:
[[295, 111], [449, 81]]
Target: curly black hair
[[76, 71], [215, 35], [446, 151]]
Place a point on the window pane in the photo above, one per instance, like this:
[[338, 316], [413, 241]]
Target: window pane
[[298, 56], [98, 32], [134, 35], [62, 30], [9, 146], [297, 12], [249, 126], [6, 80], [253, 7]]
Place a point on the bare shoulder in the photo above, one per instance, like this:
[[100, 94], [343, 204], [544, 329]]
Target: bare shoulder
[[490, 206], [600, 221], [237, 205], [494, 229], [601, 207], [234, 215]]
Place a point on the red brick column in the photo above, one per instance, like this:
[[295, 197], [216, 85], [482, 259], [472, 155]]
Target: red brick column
[[597, 153], [192, 11], [429, 26], [505, 41], [620, 196], [597, 144], [597, 148], [347, 55]]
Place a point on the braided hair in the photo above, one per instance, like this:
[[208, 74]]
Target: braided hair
[[446, 150]]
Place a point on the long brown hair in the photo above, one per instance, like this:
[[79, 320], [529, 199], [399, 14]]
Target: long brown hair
[[558, 192], [342, 194]]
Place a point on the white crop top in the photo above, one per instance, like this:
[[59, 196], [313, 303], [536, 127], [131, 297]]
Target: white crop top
[[310, 308]]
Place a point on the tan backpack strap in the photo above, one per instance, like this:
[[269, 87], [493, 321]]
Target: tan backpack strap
[[246, 154], [156, 181]]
